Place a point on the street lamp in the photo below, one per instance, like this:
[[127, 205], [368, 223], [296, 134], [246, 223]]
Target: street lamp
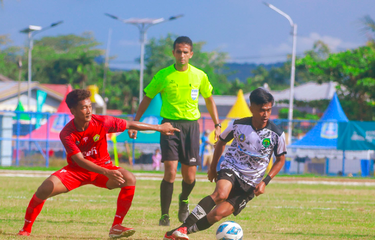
[[31, 31], [293, 70], [143, 25]]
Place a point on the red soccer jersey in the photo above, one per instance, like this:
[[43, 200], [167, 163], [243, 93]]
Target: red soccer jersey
[[92, 142]]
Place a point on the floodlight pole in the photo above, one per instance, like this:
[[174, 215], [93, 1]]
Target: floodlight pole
[[143, 25], [31, 31], [143, 31], [30, 36], [293, 69]]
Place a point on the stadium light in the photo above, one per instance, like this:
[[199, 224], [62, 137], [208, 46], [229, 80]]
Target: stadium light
[[143, 25], [31, 30], [293, 70]]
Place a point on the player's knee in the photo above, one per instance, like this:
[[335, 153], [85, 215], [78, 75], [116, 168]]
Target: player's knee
[[170, 175], [45, 189], [219, 197], [130, 179]]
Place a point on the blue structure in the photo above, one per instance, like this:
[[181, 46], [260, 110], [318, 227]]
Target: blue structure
[[151, 116], [324, 134]]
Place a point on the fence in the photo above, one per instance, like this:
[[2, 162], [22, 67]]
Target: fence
[[32, 139]]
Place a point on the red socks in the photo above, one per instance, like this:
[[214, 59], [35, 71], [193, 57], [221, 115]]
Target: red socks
[[124, 201], [32, 211]]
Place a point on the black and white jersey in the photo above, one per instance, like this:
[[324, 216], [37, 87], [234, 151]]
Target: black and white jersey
[[251, 150]]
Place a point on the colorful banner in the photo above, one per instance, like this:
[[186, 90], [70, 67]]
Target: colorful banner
[[40, 100], [355, 135]]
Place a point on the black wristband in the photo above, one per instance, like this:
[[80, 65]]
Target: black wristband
[[267, 179], [218, 125]]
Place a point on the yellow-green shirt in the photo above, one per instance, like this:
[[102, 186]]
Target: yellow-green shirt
[[179, 92]]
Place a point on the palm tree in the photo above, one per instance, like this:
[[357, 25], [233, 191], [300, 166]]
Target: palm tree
[[369, 29]]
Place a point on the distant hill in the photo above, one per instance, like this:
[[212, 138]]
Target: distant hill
[[243, 70], [233, 70]]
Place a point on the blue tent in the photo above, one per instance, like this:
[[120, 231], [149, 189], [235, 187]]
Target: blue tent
[[324, 134], [151, 116]]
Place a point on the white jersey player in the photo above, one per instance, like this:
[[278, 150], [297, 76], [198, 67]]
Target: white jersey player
[[241, 175]]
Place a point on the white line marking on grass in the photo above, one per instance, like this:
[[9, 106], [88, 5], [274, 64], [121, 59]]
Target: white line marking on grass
[[328, 183], [199, 178], [303, 208]]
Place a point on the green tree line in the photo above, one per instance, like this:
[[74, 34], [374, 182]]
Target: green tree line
[[73, 59]]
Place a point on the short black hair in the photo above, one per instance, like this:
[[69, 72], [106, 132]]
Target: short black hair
[[75, 96], [183, 39], [261, 96]]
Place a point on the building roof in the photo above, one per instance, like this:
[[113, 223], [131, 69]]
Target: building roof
[[5, 79]]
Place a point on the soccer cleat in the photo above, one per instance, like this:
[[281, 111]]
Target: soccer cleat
[[170, 237], [23, 233], [183, 210], [164, 220], [180, 234], [119, 231]]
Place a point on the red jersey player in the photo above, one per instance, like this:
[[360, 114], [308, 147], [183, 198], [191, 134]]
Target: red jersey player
[[84, 139]]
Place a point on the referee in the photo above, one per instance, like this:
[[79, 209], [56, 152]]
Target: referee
[[179, 85]]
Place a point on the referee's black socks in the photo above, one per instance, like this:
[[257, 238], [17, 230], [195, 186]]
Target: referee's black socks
[[186, 190], [166, 191]]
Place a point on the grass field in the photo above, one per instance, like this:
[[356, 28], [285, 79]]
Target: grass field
[[286, 211]]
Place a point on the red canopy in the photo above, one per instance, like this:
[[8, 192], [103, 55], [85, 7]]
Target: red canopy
[[56, 122]]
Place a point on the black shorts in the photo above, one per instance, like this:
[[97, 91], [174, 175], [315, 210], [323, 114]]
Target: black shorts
[[241, 192], [182, 146]]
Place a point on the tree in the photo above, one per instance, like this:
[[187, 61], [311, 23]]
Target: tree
[[369, 29], [354, 71], [67, 59]]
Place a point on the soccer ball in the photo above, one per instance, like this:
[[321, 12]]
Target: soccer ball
[[229, 231]]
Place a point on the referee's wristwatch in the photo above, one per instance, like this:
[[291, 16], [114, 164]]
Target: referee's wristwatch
[[218, 125]]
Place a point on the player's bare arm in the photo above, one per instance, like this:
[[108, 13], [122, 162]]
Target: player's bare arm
[[141, 110], [219, 149], [279, 163], [165, 128], [113, 175], [211, 107]]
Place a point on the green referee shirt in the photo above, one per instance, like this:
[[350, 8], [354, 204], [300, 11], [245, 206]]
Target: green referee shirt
[[179, 92]]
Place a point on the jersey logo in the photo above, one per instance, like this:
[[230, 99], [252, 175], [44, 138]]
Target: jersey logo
[[193, 160], [266, 142], [194, 93], [85, 139], [229, 174], [62, 170], [242, 138], [77, 142], [96, 137], [91, 152]]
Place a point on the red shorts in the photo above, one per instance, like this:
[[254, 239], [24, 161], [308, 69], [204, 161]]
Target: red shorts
[[74, 177]]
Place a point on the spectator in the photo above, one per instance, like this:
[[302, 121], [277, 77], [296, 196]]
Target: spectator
[[156, 160]]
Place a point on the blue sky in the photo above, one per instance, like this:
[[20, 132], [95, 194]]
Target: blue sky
[[246, 29]]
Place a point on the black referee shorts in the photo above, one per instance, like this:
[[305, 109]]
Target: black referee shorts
[[182, 146], [241, 192]]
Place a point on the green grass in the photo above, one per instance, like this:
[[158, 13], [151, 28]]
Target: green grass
[[286, 211]]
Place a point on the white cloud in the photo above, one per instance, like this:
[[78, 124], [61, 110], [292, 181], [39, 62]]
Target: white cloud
[[272, 53]]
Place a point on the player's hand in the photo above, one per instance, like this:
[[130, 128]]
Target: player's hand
[[115, 175], [168, 129], [217, 132], [260, 188], [212, 175], [132, 133]]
